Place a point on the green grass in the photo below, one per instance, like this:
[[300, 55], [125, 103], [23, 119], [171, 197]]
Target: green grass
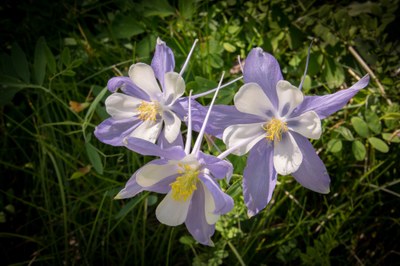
[[58, 181]]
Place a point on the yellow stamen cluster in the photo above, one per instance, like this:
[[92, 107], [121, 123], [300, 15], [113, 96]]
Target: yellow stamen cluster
[[148, 111], [185, 184], [274, 129]]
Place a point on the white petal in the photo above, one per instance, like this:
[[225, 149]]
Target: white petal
[[172, 212], [143, 76], [287, 155], [211, 218], [174, 87], [251, 99], [243, 136], [289, 97], [172, 126], [307, 124], [121, 106], [151, 174], [148, 130]]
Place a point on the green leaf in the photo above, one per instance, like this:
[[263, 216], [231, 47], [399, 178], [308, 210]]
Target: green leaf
[[373, 122], [76, 175], [187, 8], [51, 61], [378, 144], [334, 73], [359, 150], [307, 83], [20, 63], [187, 240], [151, 200], [10, 86], [345, 132], [390, 137], [334, 145], [229, 47], [39, 63], [66, 56], [124, 27], [216, 61], [360, 126], [201, 84], [158, 8], [68, 73], [94, 157]]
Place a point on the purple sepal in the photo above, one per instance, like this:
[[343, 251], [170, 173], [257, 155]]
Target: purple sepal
[[114, 132], [218, 168], [312, 173], [326, 105], [127, 86], [163, 61], [262, 68], [196, 222], [259, 177], [150, 149], [131, 188], [223, 202], [164, 144]]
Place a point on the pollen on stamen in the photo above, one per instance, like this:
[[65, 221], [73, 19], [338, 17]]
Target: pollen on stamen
[[148, 111], [274, 129], [185, 184]]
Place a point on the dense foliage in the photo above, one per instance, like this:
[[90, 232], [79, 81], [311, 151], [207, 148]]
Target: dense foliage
[[58, 181]]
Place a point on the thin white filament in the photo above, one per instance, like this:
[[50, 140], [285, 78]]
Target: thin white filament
[[188, 57], [189, 129], [305, 70], [213, 90]]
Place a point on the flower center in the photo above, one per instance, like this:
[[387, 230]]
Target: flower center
[[148, 110], [274, 129], [185, 184]]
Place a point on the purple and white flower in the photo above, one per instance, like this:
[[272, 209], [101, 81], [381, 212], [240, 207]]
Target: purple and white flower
[[189, 180], [146, 109], [272, 120]]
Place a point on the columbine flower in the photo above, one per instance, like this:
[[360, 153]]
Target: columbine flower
[[272, 122], [189, 180], [144, 110]]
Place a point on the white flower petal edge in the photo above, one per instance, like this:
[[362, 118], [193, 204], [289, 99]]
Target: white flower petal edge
[[172, 212], [148, 130], [172, 126], [251, 99], [121, 106], [307, 124], [244, 136], [174, 87], [289, 97], [143, 76], [151, 174], [211, 218], [287, 155]]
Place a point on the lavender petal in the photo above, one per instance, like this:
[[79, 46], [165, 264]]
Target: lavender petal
[[196, 222], [326, 105], [127, 86], [312, 172], [259, 177], [263, 69], [163, 61], [148, 148], [114, 132]]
